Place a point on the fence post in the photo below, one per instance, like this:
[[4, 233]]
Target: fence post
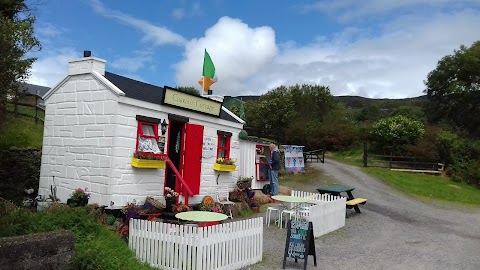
[[365, 154], [36, 107]]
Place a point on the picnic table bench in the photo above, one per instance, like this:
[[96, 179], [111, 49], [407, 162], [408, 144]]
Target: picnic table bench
[[352, 202]]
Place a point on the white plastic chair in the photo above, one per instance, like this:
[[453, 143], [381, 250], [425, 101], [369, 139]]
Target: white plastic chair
[[292, 214], [268, 214], [226, 203]]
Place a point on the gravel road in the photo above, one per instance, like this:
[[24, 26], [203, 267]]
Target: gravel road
[[394, 231]]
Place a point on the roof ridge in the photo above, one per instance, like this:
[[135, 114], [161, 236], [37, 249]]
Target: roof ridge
[[133, 79]]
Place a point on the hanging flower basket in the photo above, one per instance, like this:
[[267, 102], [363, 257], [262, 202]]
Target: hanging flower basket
[[224, 167], [148, 163]]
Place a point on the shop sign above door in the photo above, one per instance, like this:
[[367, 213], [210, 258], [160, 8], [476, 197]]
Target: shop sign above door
[[193, 103]]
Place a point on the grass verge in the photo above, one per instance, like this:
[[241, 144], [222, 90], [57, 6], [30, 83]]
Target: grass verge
[[423, 186], [429, 186], [96, 247], [20, 132], [303, 181]]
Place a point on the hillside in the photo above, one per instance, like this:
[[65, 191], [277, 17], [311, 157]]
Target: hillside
[[356, 102]]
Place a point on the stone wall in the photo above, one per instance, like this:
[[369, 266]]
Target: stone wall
[[51, 250], [19, 170]]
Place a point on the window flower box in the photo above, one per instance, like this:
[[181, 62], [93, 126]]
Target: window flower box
[[224, 167], [148, 163]]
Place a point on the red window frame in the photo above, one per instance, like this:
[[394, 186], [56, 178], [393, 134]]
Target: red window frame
[[226, 147], [140, 134]]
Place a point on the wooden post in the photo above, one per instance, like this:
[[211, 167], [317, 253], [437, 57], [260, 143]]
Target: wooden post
[[36, 107], [365, 154]]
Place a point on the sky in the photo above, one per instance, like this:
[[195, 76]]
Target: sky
[[368, 48]]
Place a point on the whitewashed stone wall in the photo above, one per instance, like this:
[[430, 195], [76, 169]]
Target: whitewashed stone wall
[[90, 137], [129, 183], [79, 131]]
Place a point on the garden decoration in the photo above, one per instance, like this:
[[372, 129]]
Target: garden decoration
[[153, 206], [79, 197], [148, 161], [224, 165], [209, 204]]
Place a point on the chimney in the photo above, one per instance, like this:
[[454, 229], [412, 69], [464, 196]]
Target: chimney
[[86, 65]]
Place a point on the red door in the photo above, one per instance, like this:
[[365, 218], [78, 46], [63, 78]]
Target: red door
[[192, 156]]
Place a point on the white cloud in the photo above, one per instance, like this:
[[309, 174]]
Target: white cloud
[[52, 67], [392, 64], [187, 12], [238, 52], [178, 13], [158, 35], [48, 31], [349, 10], [132, 64]]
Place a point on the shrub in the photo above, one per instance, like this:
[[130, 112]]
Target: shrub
[[95, 246], [395, 132]]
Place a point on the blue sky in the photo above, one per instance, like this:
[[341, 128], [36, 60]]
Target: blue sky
[[369, 48]]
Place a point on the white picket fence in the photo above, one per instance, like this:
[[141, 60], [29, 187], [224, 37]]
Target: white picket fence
[[231, 245], [327, 214]]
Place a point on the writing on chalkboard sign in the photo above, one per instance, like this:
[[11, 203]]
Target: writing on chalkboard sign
[[300, 242]]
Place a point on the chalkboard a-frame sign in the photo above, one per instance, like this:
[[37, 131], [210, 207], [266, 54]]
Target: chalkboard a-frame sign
[[300, 242]]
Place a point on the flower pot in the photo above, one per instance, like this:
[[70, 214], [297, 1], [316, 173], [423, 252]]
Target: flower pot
[[42, 206], [255, 209], [148, 163], [77, 202], [224, 167], [169, 204]]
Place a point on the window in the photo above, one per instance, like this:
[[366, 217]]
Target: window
[[147, 138], [223, 146]]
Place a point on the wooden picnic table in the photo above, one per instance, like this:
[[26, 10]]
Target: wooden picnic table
[[336, 190]]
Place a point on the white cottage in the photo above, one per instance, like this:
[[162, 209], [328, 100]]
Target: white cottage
[[96, 120]]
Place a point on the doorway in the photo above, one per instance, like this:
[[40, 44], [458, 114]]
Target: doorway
[[175, 142]]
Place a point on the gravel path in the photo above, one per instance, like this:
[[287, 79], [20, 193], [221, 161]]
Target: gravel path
[[394, 231]]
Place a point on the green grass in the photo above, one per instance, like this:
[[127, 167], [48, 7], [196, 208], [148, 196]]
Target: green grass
[[96, 247], [429, 186], [422, 186], [350, 157], [303, 181], [20, 132], [26, 110]]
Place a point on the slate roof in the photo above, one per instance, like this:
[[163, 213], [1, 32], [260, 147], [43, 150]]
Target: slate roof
[[32, 89], [146, 92]]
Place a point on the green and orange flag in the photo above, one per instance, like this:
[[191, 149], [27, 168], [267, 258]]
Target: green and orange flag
[[208, 73]]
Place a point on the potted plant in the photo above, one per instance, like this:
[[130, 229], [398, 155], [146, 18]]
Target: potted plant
[[79, 197], [244, 182], [181, 207], [237, 195], [224, 165], [142, 160], [170, 198]]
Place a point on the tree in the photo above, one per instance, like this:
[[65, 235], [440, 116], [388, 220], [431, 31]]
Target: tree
[[396, 132], [16, 40], [285, 113], [453, 89]]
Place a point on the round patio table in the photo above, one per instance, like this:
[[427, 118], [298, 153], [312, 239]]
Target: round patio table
[[289, 199], [201, 216]]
